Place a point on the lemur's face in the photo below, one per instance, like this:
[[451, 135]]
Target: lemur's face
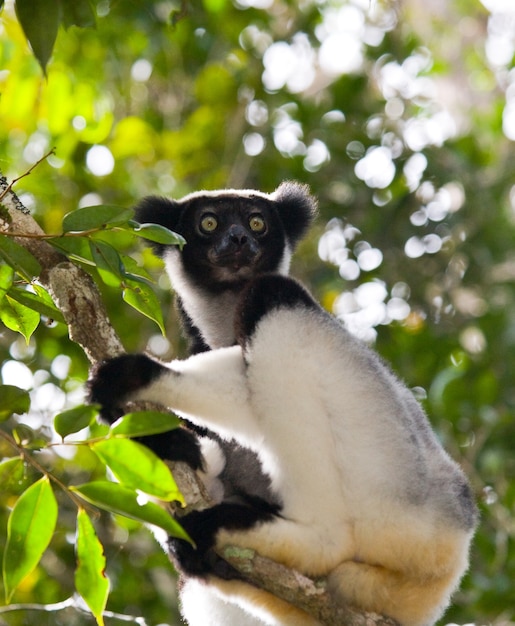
[[231, 239]]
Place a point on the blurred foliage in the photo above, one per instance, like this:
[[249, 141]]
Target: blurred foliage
[[402, 120]]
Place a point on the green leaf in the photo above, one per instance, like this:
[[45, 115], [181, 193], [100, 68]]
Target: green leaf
[[137, 467], [142, 298], [18, 317], [77, 13], [13, 400], [108, 262], [6, 279], [24, 435], [143, 423], [96, 218], [135, 272], [19, 258], [40, 302], [75, 248], [159, 234], [30, 527], [121, 500], [90, 579], [73, 420], [39, 20], [11, 470], [46, 303], [15, 476]]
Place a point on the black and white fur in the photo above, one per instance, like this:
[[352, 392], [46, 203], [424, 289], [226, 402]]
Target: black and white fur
[[366, 494], [210, 272], [208, 275], [252, 233]]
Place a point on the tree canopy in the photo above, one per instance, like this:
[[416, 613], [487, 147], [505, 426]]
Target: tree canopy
[[400, 117]]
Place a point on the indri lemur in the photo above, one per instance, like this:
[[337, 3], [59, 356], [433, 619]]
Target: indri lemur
[[347, 480]]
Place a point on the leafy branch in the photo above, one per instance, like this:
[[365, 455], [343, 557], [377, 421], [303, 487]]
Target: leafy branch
[[33, 518], [27, 457], [32, 254], [40, 22]]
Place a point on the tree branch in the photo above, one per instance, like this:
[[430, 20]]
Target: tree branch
[[71, 288], [305, 593], [79, 300]]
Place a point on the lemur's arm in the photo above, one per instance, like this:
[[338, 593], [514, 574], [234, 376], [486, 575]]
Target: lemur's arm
[[111, 384], [210, 388]]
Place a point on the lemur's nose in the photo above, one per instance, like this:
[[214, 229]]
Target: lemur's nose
[[237, 234]]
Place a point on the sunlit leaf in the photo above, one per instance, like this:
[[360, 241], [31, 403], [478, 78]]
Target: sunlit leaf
[[73, 420], [6, 279], [13, 400], [159, 234], [108, 262], [121, 500], [142, 298], [19, 258], [137, 467], [11, 470], [30, 527], [40, 22], [96, 217], [143, 423], [40, 302], [15, 476], [90, 579], [18, 317]]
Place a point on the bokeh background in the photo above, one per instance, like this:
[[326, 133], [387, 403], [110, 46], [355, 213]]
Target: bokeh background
[[401, 118]]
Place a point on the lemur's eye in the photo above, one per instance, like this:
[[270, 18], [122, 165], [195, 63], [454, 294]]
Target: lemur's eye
[[208, 223], [257, 223]]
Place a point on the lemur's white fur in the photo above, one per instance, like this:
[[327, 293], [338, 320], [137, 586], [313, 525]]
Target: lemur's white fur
[[371, 500], [212, 312]]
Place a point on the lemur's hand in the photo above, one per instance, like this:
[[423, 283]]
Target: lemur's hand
[[201, 560], [113, 382]]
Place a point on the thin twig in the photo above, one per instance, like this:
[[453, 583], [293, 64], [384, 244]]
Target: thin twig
[[73, 602], [29, 171], [77, 500], [43, 236]]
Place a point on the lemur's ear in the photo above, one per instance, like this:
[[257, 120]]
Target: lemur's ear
[[158, 210], [296, 207]]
